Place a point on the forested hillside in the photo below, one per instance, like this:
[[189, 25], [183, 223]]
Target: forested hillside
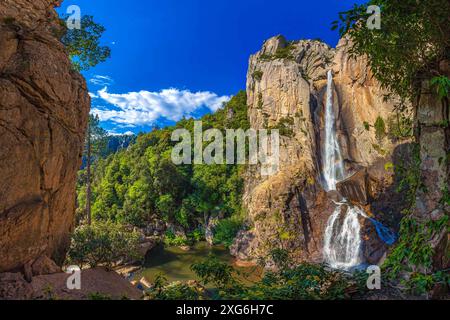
[[140, 184]]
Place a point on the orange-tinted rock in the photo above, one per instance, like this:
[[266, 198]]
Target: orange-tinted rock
[[44, 106]]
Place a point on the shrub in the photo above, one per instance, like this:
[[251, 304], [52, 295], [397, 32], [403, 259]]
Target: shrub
[[380, 128], [226, 230], [281, 53], [171, 239], [260, 101], [400, 127], [366, 125], [257, 75], [103, 243], [163, 290], [284, 126]]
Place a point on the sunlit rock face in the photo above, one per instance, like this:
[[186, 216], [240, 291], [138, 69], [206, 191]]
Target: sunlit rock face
[[287, 86], [44, 106]]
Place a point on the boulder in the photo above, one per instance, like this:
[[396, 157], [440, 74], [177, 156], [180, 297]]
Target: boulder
[[356, 188], [242, 245], [44, 265]]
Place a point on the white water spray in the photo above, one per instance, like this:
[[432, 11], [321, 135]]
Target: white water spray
[[333, 167], [342, 239]]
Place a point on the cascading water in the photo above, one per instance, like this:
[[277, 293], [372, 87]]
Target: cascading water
[[333, 167], [342, 240]]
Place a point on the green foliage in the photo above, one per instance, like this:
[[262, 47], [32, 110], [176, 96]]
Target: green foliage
[[257, 75], [83, 45], [139, 184], [413, 39], [103, 243], [284, 126], [366, 125], [98, 296], [300, 282], [220, 274], [409, 176], [414, 254], [171, 239], [281, 53], [226, 230], [442, 85], [400, 126], [163, 290], [260, 101], [379, 149], [380, 128]]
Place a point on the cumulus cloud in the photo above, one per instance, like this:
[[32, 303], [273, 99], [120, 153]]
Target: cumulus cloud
[[145, 107]]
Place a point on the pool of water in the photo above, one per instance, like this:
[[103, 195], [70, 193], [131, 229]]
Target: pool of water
[[175, 264]]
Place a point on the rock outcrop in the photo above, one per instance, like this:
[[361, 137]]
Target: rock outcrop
[[44, 106], [286, 90], [95, 283]]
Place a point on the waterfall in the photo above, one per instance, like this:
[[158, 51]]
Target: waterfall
[[342, 239], [333, 167]]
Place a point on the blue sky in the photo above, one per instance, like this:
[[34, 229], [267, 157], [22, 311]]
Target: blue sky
[[174, 58]]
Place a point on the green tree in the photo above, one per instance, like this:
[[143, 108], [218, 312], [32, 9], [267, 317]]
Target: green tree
[[103, 243], [94, 145], [83, 45]]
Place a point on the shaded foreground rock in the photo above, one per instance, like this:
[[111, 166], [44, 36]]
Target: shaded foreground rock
[[108, 284], [44, 106]]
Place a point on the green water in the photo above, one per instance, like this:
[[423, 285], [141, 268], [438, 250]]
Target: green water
[[174, 263]]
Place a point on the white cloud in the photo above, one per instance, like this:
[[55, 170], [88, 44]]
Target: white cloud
[[145, 107], [102, 81], [128, 133]]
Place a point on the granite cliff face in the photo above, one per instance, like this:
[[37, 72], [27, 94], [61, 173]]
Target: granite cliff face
[[44, 106], [286, 89]]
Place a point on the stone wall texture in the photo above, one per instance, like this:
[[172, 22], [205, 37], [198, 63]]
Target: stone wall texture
[[44, 107]]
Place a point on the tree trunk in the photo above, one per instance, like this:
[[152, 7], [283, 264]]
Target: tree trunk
[[433, 136], [88, 178]]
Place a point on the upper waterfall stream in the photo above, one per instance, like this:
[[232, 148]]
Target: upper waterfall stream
[[333, 166]]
